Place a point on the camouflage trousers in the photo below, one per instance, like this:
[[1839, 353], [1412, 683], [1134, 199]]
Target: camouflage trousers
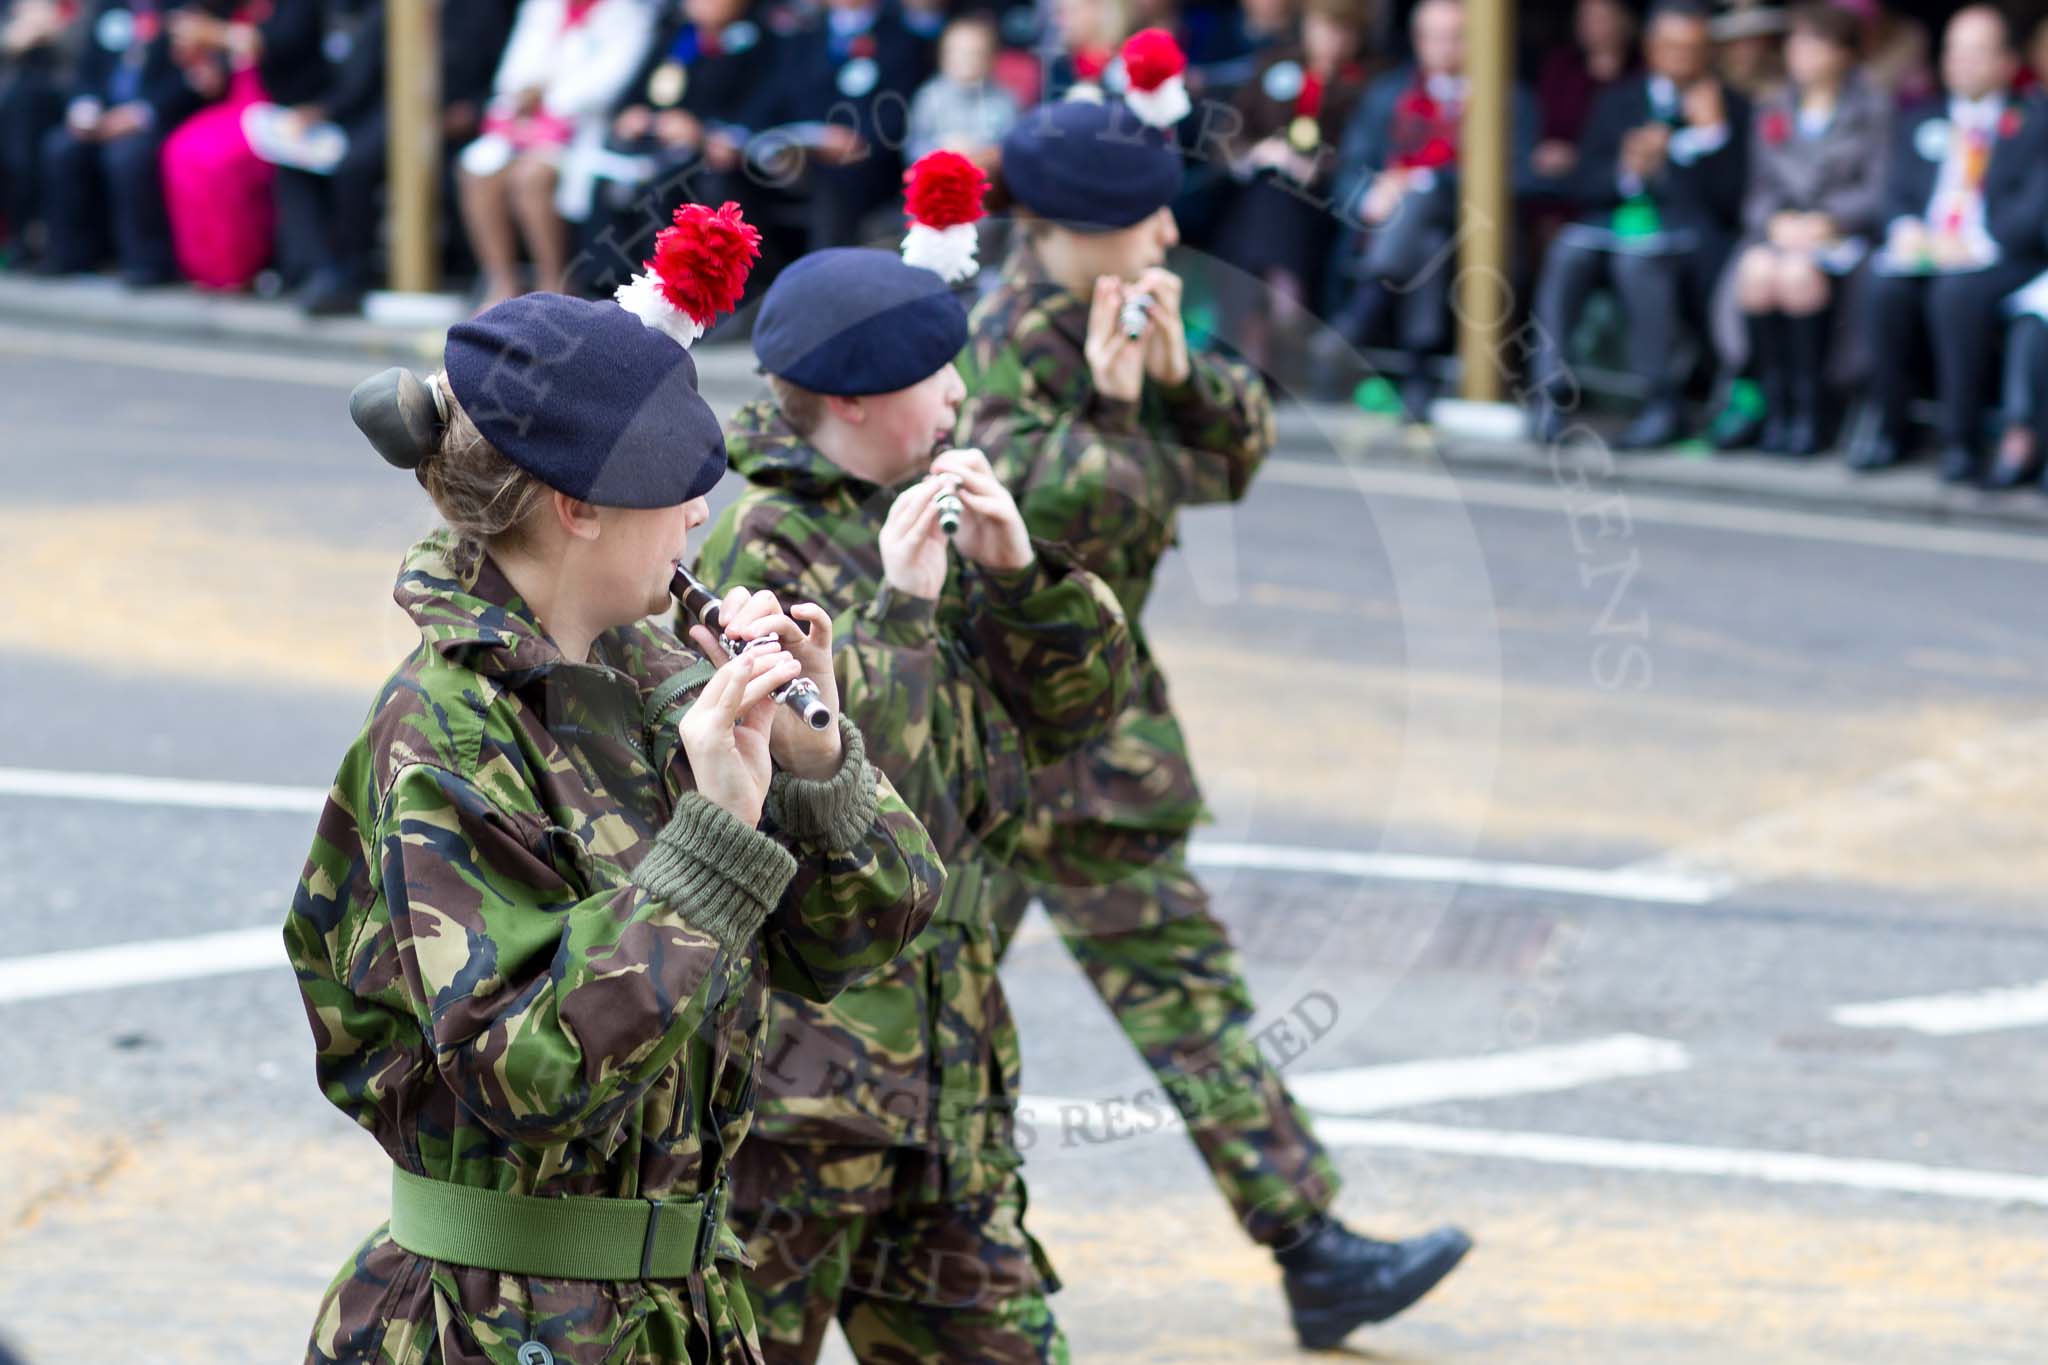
[[906, 1281], [1133, 916]]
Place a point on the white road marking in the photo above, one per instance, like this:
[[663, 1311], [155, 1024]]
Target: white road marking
[[1526, 1071], [1680, 889], [1957, 1012], [1731, 1163], [1480, 490], [145, 963], [262, 949], [126, 789], [1375, 1089], [1624, 884], [209, 360]]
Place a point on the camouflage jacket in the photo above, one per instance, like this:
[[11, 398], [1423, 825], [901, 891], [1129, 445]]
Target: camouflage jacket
[[960, 700], [535, 960], [1107, 478]]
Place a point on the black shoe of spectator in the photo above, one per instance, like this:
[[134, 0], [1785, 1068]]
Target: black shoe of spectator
[[1337, 1281], [2018, 462], [1545, 420], [1418, 391], [1959, 464], [1880, 449], [1776, 436], [1660, 423], [331, 294], [1802, 434]]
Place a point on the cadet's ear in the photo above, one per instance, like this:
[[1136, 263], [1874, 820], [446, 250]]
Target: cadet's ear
[[849, 410], [575, 516]]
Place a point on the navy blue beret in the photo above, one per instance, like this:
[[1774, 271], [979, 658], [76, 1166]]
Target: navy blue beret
[[854, 320], [1091, 166], [588, 399]]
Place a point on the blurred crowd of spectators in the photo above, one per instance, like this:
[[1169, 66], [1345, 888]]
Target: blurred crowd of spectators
[[1761, 215]]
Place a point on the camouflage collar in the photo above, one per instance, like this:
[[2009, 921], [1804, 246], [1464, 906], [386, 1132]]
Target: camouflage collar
[[764, 449], [468, 611], [1065, 311]]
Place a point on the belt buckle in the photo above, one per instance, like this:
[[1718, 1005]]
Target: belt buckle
[[647, 1243], [710, 1220]]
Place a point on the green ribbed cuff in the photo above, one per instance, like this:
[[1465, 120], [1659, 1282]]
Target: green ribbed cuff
[[721, 875], [834, 814]]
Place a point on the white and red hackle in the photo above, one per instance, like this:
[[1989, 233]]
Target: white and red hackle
[[942, 196], [698, 270], [1156, 88]]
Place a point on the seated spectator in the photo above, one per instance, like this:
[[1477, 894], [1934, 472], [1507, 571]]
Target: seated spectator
[[1082, 42], [1227, 44], [328, 221], [961, 109], [1749, 47], [2024, 412], [1661, 175], [1816, 191], [564, 67], [846, 80], [1397, 184], [1965, 198], [32, 34], [1276, 231], [218, 194], [926, 18], [679, 131], [1896, 52], [100, 176], [1602, 53]]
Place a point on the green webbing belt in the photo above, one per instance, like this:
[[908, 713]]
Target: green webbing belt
[[581, 1237]]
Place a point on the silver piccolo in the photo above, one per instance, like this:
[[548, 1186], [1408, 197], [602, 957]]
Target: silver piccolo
[[1135, 313], [800, 695]]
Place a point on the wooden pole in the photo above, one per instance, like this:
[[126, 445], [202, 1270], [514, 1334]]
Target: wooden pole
[[412, 94], [1486, 203]]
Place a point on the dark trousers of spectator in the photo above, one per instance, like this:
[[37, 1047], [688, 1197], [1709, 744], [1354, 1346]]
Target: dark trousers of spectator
[[1657, 292], [1405, 266], [31, 104], [2026, 376], [1961, 316], [327, 224], [94, 186], [838, 197], [619, 234]]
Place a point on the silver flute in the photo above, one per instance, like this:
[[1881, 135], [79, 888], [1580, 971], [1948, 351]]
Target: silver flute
[[1135, 313], [949, 512], [800, 694]]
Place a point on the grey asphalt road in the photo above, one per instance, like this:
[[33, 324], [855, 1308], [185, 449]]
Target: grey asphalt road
[[1824, 731]]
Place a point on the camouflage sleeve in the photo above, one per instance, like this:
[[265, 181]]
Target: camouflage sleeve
[[1033, 409], [853, 908], [860, 895], [885, 659], [1011, 417], [549, 1012], [1224, 417], [1055, 648]]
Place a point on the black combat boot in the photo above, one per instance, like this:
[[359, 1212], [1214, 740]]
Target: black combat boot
[[1337, 1281]]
